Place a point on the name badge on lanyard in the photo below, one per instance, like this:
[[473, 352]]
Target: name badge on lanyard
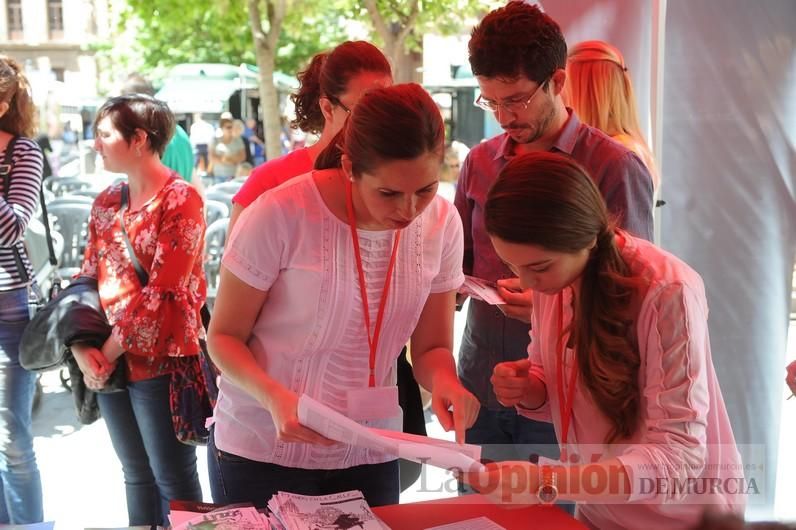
[[373, 402], [376, 403]]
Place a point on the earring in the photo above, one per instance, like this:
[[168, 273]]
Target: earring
[[138, 151]]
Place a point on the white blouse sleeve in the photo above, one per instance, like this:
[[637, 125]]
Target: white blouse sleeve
[[450, 274], [256, 250]]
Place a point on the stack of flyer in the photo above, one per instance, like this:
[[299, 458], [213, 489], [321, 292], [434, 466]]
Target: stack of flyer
[[289, 511], [239, 517]]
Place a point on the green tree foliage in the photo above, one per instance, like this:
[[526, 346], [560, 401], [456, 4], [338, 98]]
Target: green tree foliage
[[401, 24], [218, 31], [176, 31]]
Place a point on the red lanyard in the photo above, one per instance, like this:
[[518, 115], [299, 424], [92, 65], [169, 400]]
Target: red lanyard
[[565, 406], [373, 341]]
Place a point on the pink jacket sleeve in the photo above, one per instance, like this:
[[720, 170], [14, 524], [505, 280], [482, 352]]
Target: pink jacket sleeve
[[674, 344]]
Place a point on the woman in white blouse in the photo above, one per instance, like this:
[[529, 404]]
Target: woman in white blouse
[[291, 318]]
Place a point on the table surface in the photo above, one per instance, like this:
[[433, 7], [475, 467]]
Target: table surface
[[422, 515]]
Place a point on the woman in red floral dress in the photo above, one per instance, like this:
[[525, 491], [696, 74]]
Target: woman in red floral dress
[[154, 327]]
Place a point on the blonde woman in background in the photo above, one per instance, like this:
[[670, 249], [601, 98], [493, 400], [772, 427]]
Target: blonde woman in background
[[599, 90]]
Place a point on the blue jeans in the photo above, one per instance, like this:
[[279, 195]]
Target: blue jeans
[[157, 467], [20, 482], [236, 479]]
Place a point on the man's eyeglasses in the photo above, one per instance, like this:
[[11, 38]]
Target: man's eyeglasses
[[514, 105]]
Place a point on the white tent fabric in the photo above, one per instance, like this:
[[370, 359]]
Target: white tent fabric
[[729, 165], [729, 178]]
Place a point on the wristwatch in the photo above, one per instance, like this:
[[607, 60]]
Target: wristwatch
[[548, 485]]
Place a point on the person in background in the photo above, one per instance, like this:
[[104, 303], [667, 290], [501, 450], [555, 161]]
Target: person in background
[[227, 150], [328, 90], [599, 90], [619, 361], [239, 129], [46, 147], [157, 327], [253, 132], [20, 481], [518, 56], [451, 165], [243, 171], [202, 135], [179, 153], [392, 249]]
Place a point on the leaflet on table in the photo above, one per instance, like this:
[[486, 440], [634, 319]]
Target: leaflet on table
[[481, 289], [478, 523], [347, 509], [438, 453], [241, 518]]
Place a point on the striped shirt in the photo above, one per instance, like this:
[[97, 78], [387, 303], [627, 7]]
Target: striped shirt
[[17, 205]]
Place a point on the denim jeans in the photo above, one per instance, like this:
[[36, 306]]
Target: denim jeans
[[236, 479], [20, 482], [157, 467]]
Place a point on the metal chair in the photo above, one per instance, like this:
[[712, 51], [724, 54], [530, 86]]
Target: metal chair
[[70, 219], [71, 198], [215, 210], [219, 196], [230, 188], [39, 255], [63, 185], [92, 194], [215, 239]]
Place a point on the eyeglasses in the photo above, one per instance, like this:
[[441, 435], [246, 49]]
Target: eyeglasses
[[513, 106]]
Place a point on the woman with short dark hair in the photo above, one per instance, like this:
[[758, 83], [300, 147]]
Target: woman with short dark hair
[[156, 327]]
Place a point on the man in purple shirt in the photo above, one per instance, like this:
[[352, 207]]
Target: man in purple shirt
[[518, 55]]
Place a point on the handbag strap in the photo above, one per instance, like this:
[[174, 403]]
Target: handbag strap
[[50, 249], [143, 277]]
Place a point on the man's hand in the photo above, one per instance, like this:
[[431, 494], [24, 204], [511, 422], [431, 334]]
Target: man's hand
[[519, 302]]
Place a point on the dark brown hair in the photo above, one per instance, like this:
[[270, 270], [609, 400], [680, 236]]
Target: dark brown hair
[[548, 200], [400, 122], [15, 90], [139, 111], [328, 75], [517, 39]]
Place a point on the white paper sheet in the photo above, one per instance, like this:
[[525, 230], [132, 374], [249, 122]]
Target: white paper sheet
[[438, 453], [480, 289], [478, 523]]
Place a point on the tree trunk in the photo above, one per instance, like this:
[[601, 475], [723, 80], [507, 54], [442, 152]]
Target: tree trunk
[[269, 103], [265, 51], [406, 66]]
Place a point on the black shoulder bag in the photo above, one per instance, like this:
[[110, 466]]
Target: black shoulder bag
[[192, 387]]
